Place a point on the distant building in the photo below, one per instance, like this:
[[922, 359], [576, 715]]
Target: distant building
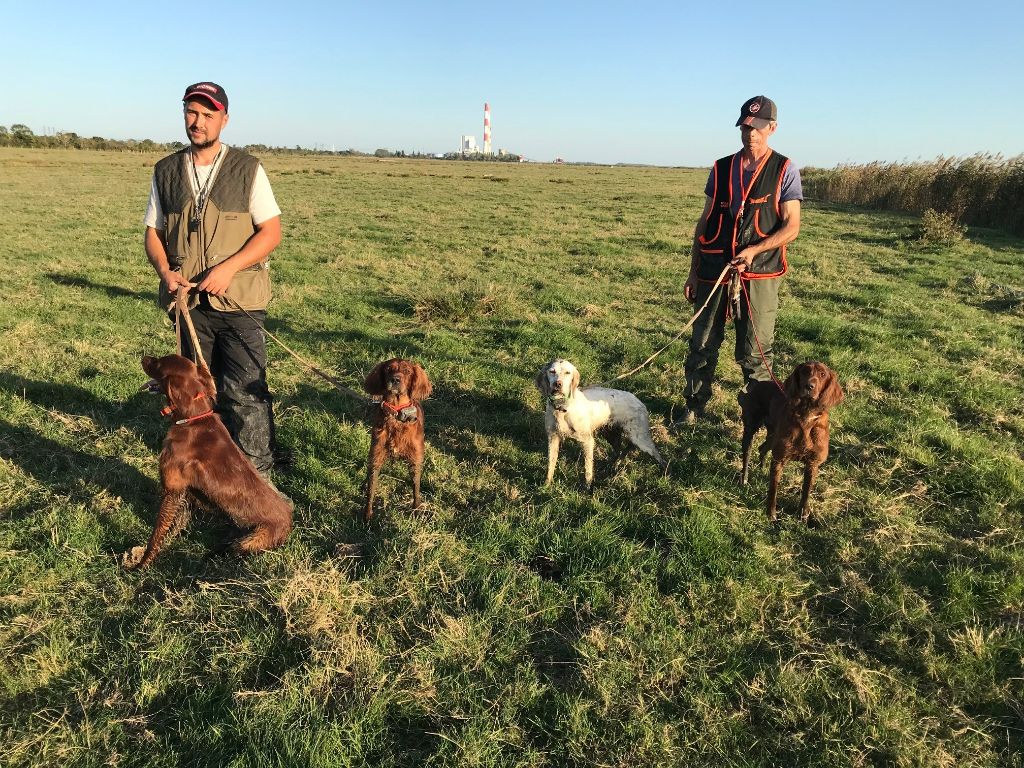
[[468, 145]]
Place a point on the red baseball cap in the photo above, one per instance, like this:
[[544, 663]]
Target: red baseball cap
[[212, 92]]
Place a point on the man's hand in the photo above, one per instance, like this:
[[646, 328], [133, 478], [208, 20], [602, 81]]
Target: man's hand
[[218, 279], [743, 260], [173, 279], [690, 288]]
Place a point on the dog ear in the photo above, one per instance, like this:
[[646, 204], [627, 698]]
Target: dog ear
[[541, 381], [207, 381], [186, 390], [575, 381], [792, 385], [421, 387], [374, 383], [832, 394]]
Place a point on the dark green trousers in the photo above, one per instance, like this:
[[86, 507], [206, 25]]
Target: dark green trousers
[[709, 333]]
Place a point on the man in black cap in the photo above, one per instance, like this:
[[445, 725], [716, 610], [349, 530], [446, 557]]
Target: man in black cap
[[751, 214], [211, 224]]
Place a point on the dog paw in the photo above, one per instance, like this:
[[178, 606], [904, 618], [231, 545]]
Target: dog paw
[[132, 557]]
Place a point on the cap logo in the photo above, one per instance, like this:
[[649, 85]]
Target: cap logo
[[755, 107]]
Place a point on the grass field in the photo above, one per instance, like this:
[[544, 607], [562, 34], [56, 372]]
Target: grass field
[[660, 621]]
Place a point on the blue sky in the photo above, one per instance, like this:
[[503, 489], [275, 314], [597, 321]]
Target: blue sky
[[647, 82]]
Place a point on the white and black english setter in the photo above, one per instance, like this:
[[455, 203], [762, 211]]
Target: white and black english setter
[[580, 413]]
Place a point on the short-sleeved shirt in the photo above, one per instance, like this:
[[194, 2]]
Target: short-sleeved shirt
[[262, 205], [792, 188]]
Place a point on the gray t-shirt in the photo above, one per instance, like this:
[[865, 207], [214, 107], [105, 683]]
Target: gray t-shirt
[[791, 189]]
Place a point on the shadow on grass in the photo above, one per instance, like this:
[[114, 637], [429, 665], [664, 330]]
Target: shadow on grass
[[78, 401], [114, 291], [875, 239], [68, 470]]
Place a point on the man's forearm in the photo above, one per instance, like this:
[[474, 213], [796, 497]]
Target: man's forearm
[[782, 237], [256, 249], [695, 253], [156, 252]]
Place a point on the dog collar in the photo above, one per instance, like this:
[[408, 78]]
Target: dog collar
[[168, 411], [403, 411]]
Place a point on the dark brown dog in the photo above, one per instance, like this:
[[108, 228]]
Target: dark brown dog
[[199, 458], [396, 422], [797, 423]]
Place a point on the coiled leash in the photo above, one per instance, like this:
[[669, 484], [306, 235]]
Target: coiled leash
[[736, 295]]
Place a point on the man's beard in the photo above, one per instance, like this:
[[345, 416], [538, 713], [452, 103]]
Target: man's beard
[[203, 145]]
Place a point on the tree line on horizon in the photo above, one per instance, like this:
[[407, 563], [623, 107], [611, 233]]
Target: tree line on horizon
[[20, 135]]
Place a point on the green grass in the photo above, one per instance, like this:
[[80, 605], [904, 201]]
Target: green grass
[[660, 621]]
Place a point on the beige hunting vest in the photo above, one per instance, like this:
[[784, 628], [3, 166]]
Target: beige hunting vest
[[224, 228]]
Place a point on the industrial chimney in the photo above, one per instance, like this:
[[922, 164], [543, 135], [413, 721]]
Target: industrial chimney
[[487, 128]]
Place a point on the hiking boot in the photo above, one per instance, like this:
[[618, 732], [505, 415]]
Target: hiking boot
[[690, 417]]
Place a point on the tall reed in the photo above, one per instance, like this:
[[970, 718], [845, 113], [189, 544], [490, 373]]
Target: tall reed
[[981, 190]]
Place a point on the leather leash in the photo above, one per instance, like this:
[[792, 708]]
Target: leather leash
[[314, 369], [674, 339], [181, 310]]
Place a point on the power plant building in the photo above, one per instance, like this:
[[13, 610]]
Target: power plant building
[[468, 144]]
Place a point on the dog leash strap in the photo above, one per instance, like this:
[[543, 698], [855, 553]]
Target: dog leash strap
[[190, 419], [181, 310], [674, 339], [760, 351], [325, 376]]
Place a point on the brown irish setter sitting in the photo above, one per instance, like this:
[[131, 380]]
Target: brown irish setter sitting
[[797, 423], [396, 422], [199, 458]]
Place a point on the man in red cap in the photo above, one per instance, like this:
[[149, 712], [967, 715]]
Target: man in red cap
[[751, 214], [211, 224]]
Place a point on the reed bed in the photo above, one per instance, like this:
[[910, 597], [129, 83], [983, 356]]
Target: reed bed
[[983, 190]]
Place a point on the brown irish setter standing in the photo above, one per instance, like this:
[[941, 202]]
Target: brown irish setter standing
[[396, 422], [200, 458], [797, 423]]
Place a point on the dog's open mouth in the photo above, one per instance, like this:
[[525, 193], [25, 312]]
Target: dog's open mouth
[[152, 386]]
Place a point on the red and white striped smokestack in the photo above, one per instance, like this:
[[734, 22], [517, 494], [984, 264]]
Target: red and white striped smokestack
[[487, 128]]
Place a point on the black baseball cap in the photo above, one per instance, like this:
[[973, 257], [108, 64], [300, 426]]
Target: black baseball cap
[[212, 92], [758, 112]]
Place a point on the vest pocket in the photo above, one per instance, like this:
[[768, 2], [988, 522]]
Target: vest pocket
[[757, 224], [705, 239], [250, 288]]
